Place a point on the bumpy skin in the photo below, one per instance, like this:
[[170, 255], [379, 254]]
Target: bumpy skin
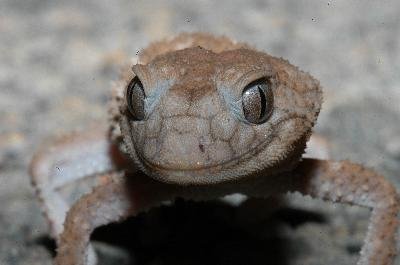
[[195, 143]]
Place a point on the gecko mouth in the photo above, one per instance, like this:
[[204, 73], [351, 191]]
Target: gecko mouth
[[213, 173], [188, 168]]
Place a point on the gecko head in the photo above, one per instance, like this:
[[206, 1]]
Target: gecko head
[[194, 116]]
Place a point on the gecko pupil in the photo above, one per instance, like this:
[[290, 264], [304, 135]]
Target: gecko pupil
[[263, 101], [257, 101], [135, 99]]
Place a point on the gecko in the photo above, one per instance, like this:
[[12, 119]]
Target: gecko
[[200, 117]]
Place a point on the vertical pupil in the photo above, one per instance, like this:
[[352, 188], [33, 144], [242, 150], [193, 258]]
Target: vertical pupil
[[263, 101], [135, 99]]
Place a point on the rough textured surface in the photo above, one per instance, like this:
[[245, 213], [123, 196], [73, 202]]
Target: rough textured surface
[[56, 64]]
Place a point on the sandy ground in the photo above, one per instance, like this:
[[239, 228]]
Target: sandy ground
[[58, 59]]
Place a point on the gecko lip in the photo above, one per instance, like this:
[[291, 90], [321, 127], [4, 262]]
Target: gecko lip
[[194, 168], [194, 175]]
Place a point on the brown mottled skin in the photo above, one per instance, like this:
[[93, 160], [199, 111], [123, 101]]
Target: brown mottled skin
[[195, 141]]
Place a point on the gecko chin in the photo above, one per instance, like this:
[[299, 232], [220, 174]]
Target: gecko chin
[[196, 175]]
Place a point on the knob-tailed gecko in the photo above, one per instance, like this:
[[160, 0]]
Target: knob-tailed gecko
[[200, 117]]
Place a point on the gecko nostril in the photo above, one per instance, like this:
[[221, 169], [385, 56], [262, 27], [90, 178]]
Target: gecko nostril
[[201, 147]]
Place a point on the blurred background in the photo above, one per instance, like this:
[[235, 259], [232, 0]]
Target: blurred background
[[59, 58]]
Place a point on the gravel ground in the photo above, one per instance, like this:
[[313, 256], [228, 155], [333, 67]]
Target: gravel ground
[[57, 61]]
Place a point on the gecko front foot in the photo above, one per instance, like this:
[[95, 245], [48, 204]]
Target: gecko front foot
[[350, 183]]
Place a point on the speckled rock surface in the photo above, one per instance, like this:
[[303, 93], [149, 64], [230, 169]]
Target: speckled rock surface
[[57, 61]]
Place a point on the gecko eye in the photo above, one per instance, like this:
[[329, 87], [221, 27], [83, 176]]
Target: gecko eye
[[135, 99], [257, 101]]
